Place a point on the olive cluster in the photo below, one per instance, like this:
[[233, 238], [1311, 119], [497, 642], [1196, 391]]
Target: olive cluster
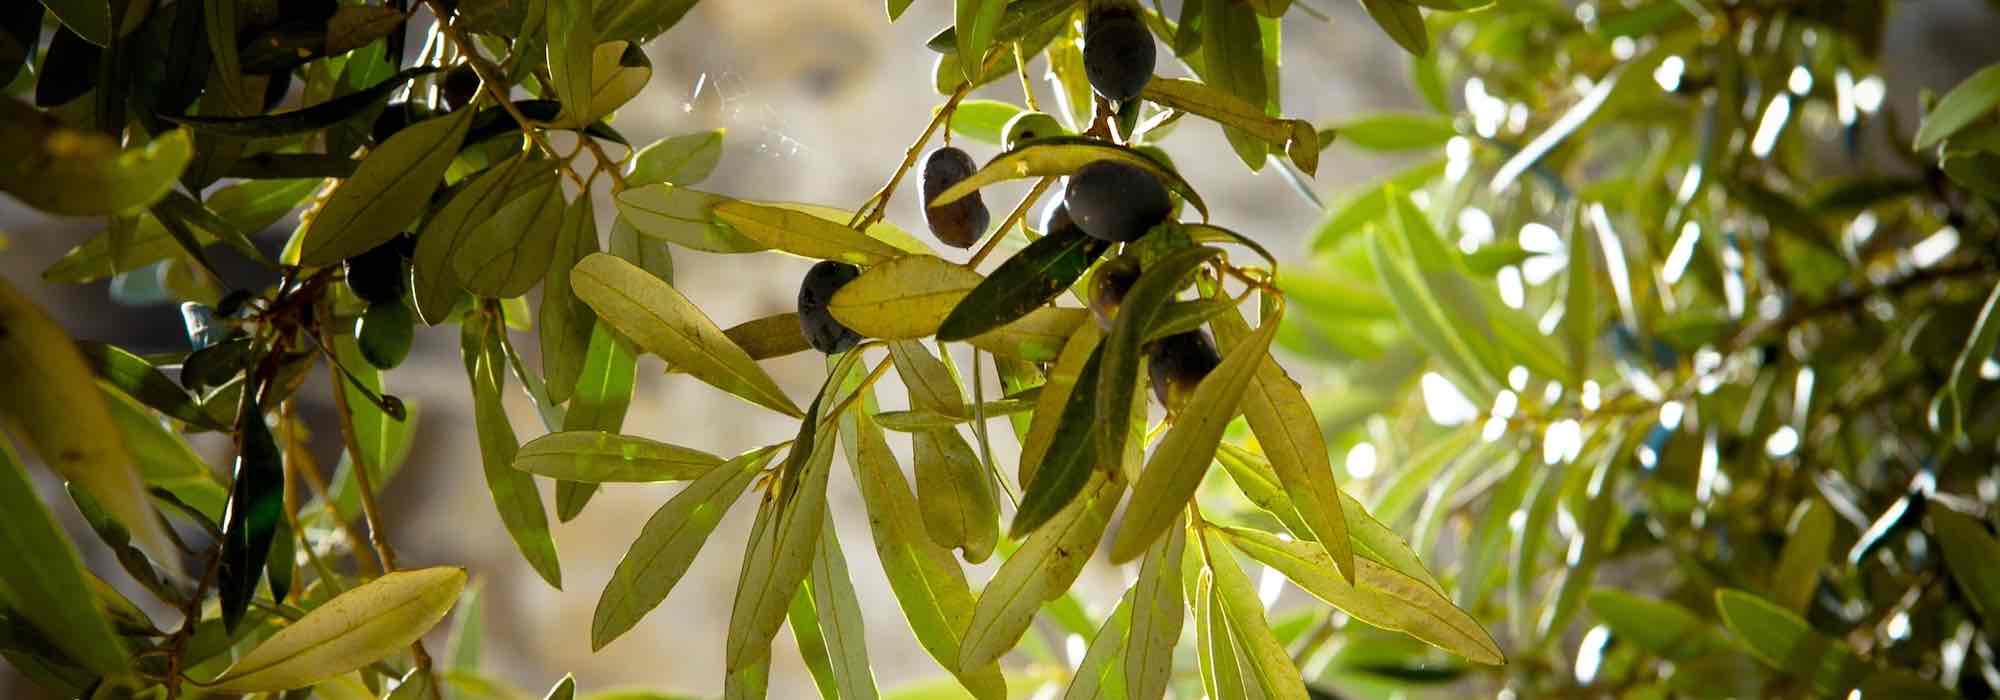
[[1108, 200], [380, 277]]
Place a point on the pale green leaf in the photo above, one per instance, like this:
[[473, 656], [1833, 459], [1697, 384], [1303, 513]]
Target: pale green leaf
[[599, 457], [803, 234], [353, 629]]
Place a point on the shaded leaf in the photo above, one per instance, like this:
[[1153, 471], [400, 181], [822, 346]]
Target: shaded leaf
[[45, 583], [390, 189]]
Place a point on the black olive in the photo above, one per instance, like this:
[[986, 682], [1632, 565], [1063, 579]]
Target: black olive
[[1116, 202], [378, 275], [960, 223], [1118, 53], [1108, 287], [1177, 364], [826, 334]]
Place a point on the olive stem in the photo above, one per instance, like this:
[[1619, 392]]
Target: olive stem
[[1027, 87], [372, 513], [494, 88], [875, 374], [1020, 212], [879, 202]]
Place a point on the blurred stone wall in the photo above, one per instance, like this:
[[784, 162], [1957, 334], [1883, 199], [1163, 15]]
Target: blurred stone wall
[[820, 99]]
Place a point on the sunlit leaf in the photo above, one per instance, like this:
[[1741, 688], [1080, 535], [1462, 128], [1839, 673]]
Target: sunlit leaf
[[1063, 155], [908, 297], [662, 321], [390, 189], [514, 493], [1040, 571], [680, 160], [45, 583], [598, 457], [1967, 102], [1810, 535], [803, 234], [66, 171], [349, 631]]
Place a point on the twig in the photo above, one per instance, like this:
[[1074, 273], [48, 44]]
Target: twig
[[490, 81], [1020, 212], [878, 204], [190, 617], [372, 513]]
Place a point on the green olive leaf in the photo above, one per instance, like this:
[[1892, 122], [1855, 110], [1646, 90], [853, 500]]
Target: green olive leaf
[[773, 336], [571, 56], [682, 215], [1810, 535], [45, 583], [839, 617], [1159, 609], [1785, 642], [1966, 103], [1289, 434], [953, 492], [974, 22], [69, 172], [929, 585], [668, 543], [1660, 627], [1379, 596], [803, 234], [1236, 112], [1063, 155], [1141, 309], [508, 254], [1040, 571], [390, 189], [599, 457], [984, 121], [662, 321], [618, 71], [603, 392], [351, 630], [680, 160], [1184, 455], [908, 297], [1269, 667], [565, 321], [1403, 21], [1069, 459], [433, 274], [1970, 551], [303, 120], [1027, 281], [1036, 337], [1078, 353], [54, 406], [514, 493]]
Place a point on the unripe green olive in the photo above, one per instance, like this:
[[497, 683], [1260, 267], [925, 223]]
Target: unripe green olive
[[1028, 126], [1177, 364], [384, 333], [822, 330], [1115, 201], [1108, 286], [960, 223], [1118, 53]]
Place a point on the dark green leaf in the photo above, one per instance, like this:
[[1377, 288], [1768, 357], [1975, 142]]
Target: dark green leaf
[[1033, 277], [317, 117]]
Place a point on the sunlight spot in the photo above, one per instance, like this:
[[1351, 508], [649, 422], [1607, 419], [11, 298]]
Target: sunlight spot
[[1361, 460], [1843, 97], [1269, 585], [1495, 428], [1683, 252], [1782, 442], [1518, 378], [1671, 413], [1800, 81], [1512, 292], [1505, 404], [1771, 127], [1443, 401], [1929, 251], [1562, 441], [1074, 648], [1868, 94], [1475, 229], [1592, 395], [1668, 74]]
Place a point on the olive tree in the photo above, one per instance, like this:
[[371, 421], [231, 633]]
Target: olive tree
[[1673, 349]]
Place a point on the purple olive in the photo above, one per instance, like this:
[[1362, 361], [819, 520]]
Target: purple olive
[[1116, 202], [826, 334], [1177, 364], [1118, 53], [960, 223]]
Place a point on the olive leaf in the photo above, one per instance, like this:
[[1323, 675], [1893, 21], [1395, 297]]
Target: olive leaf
[[1970, 550], [1030, 279], [1182, 459], [135, 377], [1041, 570], [1100, 672], [908, 297], [1966, 103], [1807, 548], [982, 120], [1069, 460], [1036, 337], [803, 234], [256, 505], [390, 189], [618, 71], [1159, 610], [1063, 155], [973, 23], [682, 215], [1289, 434], [662, 321], [347, 632], [603, 391], [514, 494], [45, 581], [1270, 669], [1402, 21], [508, 253], [70, 172], [1300, 141], [953, 492], [668, 543], [929, 585], [680, 160], [304, 119], [54, 406], [571, 56], [1379, 596], [1142, 306], [565, 321], [839, 617], [600, 457]]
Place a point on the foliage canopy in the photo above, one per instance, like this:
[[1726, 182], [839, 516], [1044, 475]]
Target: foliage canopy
[[1681, 390]]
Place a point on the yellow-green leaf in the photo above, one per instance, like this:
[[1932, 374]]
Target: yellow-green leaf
[[71, 172], [598, 457], [44, 580], [1040, 571], [1232, 111], [352, 630], [618, 71], [662, 321], [505, 255], [1158, 611], [1379, 596], [1036, 337], [1270, 667], [1184, 455], [392, 186], [907, 297], [1290, 436], [53, 404], [1064, 155], [668, 543], [803, 234], [681, 214], [1805, 553], [434, 282]]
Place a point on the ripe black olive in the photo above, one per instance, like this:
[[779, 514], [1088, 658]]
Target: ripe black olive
[[1118, 53], [459, 86], [961, 223], [1177, 364], [378, 275], [826, 334], [1108, 287], [1116, 202]]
